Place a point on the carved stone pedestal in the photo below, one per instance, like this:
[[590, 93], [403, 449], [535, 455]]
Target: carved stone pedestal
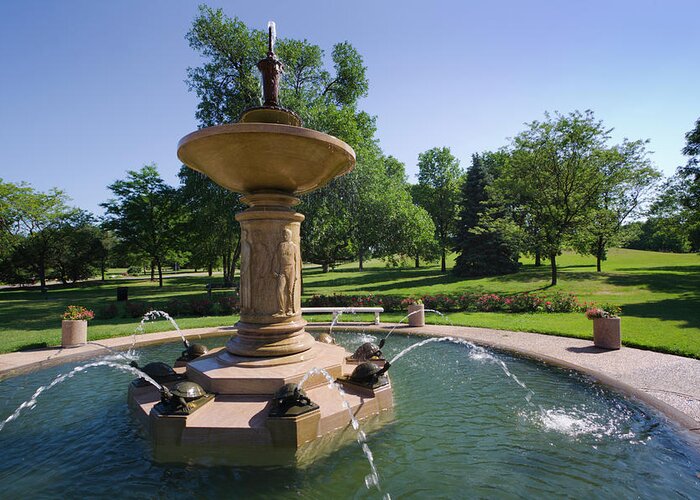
[[271, 322]]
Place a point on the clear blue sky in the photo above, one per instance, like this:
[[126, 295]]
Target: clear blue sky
[[90, 89]]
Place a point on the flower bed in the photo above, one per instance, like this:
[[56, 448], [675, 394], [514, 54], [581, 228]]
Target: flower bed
[[470, 302]]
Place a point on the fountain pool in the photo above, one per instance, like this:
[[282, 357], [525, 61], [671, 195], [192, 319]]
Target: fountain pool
[[461, 428]]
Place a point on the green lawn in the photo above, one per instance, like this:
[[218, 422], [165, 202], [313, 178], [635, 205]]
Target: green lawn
[[659, 292]]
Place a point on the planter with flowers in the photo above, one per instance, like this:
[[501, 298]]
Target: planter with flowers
[[416, 312], [606, 327], [74, 326]]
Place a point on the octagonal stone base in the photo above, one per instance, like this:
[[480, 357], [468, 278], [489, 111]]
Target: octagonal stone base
[[237, 420]]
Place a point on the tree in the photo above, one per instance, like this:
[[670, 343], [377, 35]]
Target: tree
[[28, 220], [228, 83], [439, 181], [483, 250], [554, 174], [629, 180], [689, 179], [212, 233], [78, 249], [145, 215]]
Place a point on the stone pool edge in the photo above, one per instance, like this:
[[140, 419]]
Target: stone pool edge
[[628, 370]]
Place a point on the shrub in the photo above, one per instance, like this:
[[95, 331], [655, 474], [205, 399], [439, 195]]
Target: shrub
[[134, 270], [202, 307], [110, 311], [136, 309], [228, 305], [179, 307]]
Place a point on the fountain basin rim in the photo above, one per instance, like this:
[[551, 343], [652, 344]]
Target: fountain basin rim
[[681, 419], [89, 351]]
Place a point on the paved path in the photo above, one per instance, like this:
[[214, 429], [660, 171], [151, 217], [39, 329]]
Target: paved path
[[670, 383]]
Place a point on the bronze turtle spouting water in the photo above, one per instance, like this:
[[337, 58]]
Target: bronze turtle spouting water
[[368, 351], [158, 371], [291, 401], [369, 375], [192, 351], [185, 398]]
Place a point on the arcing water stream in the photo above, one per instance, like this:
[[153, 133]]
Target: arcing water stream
[[31, 402], [372, 479]]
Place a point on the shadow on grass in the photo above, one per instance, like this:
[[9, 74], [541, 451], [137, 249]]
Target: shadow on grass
[[669, 282], [685, 310]]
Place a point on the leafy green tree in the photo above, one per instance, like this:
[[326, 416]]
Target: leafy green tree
[[28, 220], [212, 233], [657, 234], [145, 215], [555, 175], [689, 180], [228, 83], [439, 182], [483, 250], [78, 250], [629, 180]]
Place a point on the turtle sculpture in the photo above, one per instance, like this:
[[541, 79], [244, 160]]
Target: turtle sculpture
[[290, 400], [368, 351], [326, 338], [183, 399], [370, 375], [193, 351], [158, 371]]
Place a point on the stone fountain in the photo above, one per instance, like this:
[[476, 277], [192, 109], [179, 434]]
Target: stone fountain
[[246, 393]]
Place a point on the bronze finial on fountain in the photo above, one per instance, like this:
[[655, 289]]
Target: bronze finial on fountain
[[271, 69]]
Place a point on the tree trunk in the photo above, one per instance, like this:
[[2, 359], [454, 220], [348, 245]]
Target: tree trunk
[[361, 256], [417, 261], [42, 273], [160, 273], [102, 269], [152, 272], [600, 247], [553, 261], [324, 267], [538, 257], [210, 269], [443, 263]]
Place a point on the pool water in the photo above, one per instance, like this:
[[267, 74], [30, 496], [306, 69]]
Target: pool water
[[461, 428]]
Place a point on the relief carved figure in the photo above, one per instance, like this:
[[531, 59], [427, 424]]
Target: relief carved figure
[[286, 272], [246, 263]]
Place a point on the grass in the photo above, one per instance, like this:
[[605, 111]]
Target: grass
[[659, 293]]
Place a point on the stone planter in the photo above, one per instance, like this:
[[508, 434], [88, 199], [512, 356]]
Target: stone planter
[[606, 333], [73, 332], [417, 319]]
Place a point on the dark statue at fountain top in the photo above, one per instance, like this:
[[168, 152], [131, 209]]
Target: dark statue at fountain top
[[271, 69]]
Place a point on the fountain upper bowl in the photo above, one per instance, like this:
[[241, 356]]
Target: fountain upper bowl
[[255, 157]]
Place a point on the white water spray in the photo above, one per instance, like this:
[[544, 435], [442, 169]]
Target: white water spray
[[371, 479], [31, 402]]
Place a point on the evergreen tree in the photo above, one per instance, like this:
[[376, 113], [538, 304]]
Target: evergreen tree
[[482, 251]]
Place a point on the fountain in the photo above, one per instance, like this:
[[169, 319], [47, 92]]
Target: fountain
[[246, 391]]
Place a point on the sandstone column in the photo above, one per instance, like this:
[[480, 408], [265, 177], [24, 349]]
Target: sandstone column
[[271, 322]]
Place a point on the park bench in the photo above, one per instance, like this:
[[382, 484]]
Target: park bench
[[336, 311], [214, 286]]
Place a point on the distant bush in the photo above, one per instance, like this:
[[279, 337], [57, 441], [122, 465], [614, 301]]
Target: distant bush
[[178, 307], [110, 311], [134, 270], [137, 309], [487, 302], [227, 305]]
